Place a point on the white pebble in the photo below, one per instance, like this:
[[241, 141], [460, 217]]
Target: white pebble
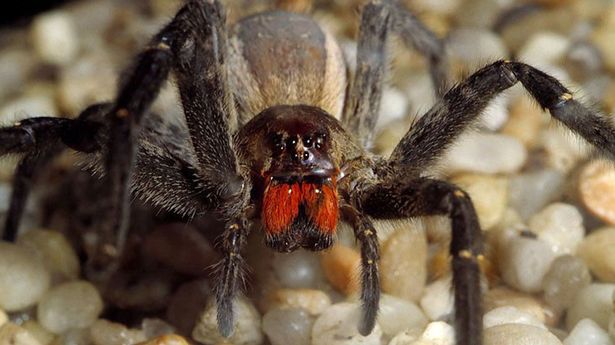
[[475, 46], [57, 254], [561, 226], [54, 37], [23, 277], [524, 261], [3, 317], [587, 332], [437, 301], [299, 269], [288, 326], [563, 149], [246, 328], [103, 332], [508, 314], [530, 192], [496, 114], [597, 252], [595, 302], [566, 276], [338, 325], [38, 332], [28, 106], [396, 315], [486, 153], [11, 334], [393, 106], [70, 305], [544, 48], [519, 334]]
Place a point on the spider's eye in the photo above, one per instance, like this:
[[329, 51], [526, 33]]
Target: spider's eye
[[308, 141], [320, 140], [278, 143], [291, 142]]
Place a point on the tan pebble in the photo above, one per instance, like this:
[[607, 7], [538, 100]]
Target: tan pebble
[[314, 301], [11, 334], [488, 193], [603, 38], [57, 254], [525, 121], [342, 266], [39, 332], [105, 332], [519, 334], [597, 189], [3, 317], [597, 252], [403, 264], [169, 339], [501, 296]]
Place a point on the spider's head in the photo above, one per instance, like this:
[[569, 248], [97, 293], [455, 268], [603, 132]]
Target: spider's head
[[292, 151]]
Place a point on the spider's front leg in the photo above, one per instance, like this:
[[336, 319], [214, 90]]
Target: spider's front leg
[[425, 197]]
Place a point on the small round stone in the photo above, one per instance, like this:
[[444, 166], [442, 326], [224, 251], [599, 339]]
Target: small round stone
[[501, 296], [403, 263], [597, 252], [70, 305], [525, 122], [23, 277], [530, 192], [299, 269], [55, 38], [155, 327], [597, 189], [519, 334], [437, 301], [566, 276], [509, 314], [393, 106], [563, 150], [313, 301], [338, 325], [288, 326], [168, 339], [55, 251], [396, 315], [544, 48], [38, 332], [103, 332], [342, 267], [595, 302], [246, 326], [11, 334], [587, 332], [3, 317], [489, 195], [561, 226]]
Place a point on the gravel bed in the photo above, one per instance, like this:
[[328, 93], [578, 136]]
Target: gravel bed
[[545, 202]]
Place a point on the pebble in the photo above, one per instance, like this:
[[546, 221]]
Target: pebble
[[587, 332], [583, 60], [496, 114], [566, 276], [288, 326], [169, 339], [489, 195], [342, 267], [12, 334], [544, 48], [597, 189], [39, 332], [603, 38], [180, 247], [532, 191], [15, 65], [155, 327], [104, 332], [299, 269], [597, 252], [472, 48], [54, 37], [75, 304], [403, 263], [246, 326], [396, 315], [76, 336], [564, 150], [486, 153], [420, 92], [338, 325], [23, 277], [519, 334], [187, 303], [28, 106], [525, 121], [502, 296], [561, 226], [56, 253], [3, 317], [509, 314], [312, 301], [393, 106], [524, 261], [437, 301], [436, 333], [595, 302]]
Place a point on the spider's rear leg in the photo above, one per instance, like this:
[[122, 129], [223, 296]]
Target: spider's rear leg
[[425, 197]]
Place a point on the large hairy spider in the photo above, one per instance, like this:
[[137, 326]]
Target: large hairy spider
[[276, 140]]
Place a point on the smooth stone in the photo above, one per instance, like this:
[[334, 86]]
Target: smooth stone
[[603, 38], [187, 303], [338, 325], [15, 65], [489, 195], [566, 277], [396, 315], [54, 249], [169, 339], [486, 153], [474, 47], [299, 269], [561, 226], [75, 304], [39, 332], [403, 263], [563, 150], [342, 267], [23, 277], [288, 326], [437, 301], [525, 121], [246, 325], [587, 332], [104, 332], [597, 252], [532, 191], [509, 314], [544, 48], [75, 336], [28, 106], [393, 106], [3, 317], [12, 334], [312, 301], [54, 37], [595, 302], [155, 327], [436, 333], [597, 189], [502, 296], [519, 334]]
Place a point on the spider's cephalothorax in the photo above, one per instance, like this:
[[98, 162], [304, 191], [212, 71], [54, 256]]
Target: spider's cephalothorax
[[259, 146]]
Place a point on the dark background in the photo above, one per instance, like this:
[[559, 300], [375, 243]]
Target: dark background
[[22, 10]]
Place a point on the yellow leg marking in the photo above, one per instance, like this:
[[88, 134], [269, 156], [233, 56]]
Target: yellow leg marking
[[234, 227], [368, 232], [565, 97], [370, 262], [458, 193], [122, 113], [465, 254]]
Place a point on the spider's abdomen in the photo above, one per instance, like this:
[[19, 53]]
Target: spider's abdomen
[[285, 58]]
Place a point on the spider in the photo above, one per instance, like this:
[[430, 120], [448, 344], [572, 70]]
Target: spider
[[275, 140]]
